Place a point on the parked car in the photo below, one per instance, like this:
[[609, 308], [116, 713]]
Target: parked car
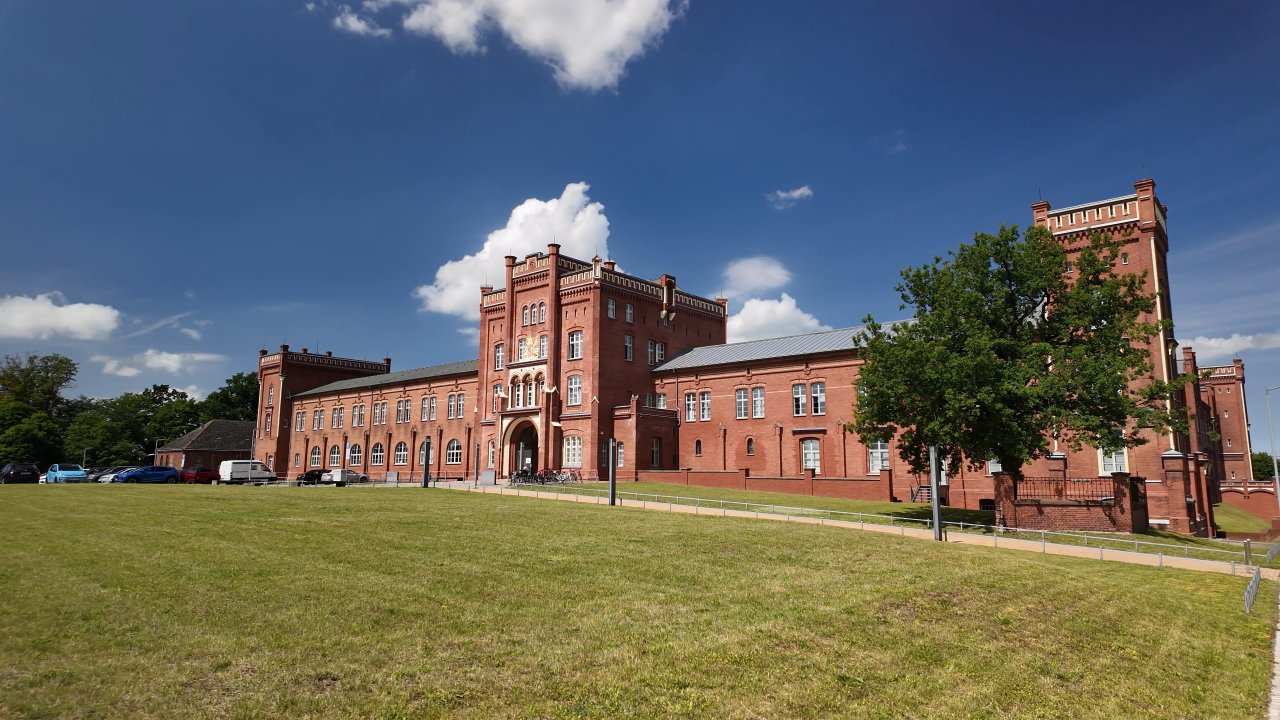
[[310, 477], [92, 474], [63, 473], [243, 471], [19, 473], [199, 475], [343, 477], [109, 475], [149, 474]]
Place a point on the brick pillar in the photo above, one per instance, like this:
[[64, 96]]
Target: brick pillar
[[1176, 487], [886, 477], [1123, 517]]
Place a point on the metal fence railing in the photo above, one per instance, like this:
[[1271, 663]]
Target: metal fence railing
[[1251, 592], [1102, 542], [1050, 488]]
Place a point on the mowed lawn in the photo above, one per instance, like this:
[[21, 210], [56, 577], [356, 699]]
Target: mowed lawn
[[177, 602]]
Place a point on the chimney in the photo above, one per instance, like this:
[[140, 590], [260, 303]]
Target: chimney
[[386, 362], [262, 352], [610, 265], [284, 348], [328, 353]]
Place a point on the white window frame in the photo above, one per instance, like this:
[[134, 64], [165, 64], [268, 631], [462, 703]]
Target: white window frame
[[377, 455], [628, 347], [740, 403], [757, 402], [818, 396], [314, 460], [1113, 461], [499, 356], [877, 456], [575, 345], [400, 456], [335, 456], [355, 454], [612, 309], [573, 451], [690, 407], [704, 404], [573, 396], [799, 399], [424, 458], [433, 408], [653, 353], [811, 455], [631, 313], [542, 347]]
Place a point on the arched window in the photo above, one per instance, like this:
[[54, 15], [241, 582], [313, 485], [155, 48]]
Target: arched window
[[810, 455], [335, 456], [377, 456], [751, 446], [315, 456], [424, 456], [524, 315], [542, 312], [573, 451], [453, 453], [354, 455], [528, 391], [697, 448], [401, 456]]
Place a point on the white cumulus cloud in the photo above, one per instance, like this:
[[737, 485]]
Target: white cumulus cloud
[[745, 276], [762, 318], [176, 362], [111, 366], [192, 333], [347, 21], [43, 316], [193, 392], [572, 220], [784, 199], [588, 43], [1225, 348]]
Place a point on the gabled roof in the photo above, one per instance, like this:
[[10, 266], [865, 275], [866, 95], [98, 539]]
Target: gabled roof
[[754, 350], [228, 435], [466, 367]]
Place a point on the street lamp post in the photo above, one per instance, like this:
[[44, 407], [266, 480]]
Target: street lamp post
[[84, 456], [1275, 471]]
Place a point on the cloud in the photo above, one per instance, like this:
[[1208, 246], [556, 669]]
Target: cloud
[[588, 43], [191, 333], [784, 199], [111, 366], [43, 316], [171, 321], [579, 225], [191, 294], [1225, 348], [347, 21], [470, 332], [176, 362], [760, 318], [193, 392], [745, 276], [891, 142]]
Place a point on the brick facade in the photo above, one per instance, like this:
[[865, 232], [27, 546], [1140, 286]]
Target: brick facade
[[675, 400]]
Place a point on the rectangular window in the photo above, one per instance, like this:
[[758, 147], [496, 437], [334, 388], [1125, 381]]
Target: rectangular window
[[424, 408], [662, 351], [819, 392], [542, 347], [574, 396], [1124, 258], [432, 414], [300, 421], [690, 407], [620, 451], [877, 456], [705, 401], [757, 402], [297, 458], [810, 455], [268, 422], [573, 451], [317, 419], [660, 401], [628, 347], [631, 313], [449, 410], [336, 418], [575, 345], [798, 393], [520, 352], [497, 394], [740, 403], [613, 309], [993, 467], [498, 351], [461, 398], [1113, 461], [653, 353], [655, 453], [399, 411]]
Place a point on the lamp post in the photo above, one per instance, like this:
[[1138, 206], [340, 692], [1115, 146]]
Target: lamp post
[[84, 455], [1275, 472]]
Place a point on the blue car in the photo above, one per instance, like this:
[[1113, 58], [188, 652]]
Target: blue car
[[148, 474], [64, 473]]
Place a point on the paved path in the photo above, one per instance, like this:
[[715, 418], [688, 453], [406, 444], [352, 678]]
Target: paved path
[[994, 540]]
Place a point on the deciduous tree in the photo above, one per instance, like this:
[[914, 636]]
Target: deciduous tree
[[1006, 351]]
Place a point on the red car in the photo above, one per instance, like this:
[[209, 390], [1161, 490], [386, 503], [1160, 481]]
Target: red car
[[199, 475]]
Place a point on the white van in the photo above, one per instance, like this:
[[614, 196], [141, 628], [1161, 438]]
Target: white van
[[236, 472]]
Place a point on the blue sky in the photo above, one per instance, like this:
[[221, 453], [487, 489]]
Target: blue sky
[[184, 183]]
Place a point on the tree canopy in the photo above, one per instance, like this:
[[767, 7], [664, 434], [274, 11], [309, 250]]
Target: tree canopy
[[1007, 350], [1262, 466]]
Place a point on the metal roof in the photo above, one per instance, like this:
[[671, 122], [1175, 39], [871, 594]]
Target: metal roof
[[809, 344], [227, 435], [457, 368]]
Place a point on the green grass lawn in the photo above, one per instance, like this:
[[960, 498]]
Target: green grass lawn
[[177, 601], [1229, 518]]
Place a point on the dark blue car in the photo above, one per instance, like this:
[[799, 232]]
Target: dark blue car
[[149, 474]]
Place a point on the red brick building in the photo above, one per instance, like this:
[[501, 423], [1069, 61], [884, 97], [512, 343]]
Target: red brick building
[[574, 353]]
